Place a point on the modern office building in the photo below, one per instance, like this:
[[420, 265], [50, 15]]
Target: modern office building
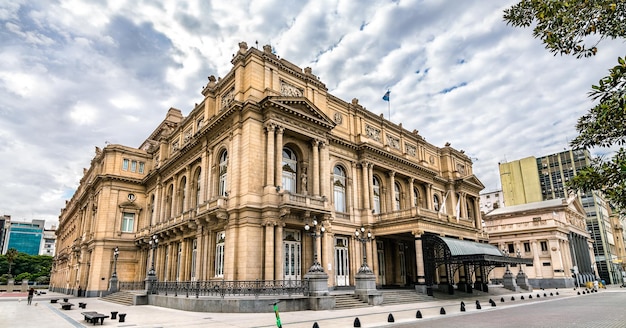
[[26, 237], [533, 179], [553, 233], [229, 190]]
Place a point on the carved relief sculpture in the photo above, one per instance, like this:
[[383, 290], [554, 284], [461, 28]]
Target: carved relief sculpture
[[372, 132], [289, 90]]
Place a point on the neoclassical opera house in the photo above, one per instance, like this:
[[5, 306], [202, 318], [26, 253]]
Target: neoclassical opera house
[[227, 194]]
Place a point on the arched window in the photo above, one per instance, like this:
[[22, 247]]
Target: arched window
[[223, 181], [436, 202], [339, 187], [470, 208], [290, 169], [396, 196], [376, 187], [182, 192], [196, 200], [416, 197]]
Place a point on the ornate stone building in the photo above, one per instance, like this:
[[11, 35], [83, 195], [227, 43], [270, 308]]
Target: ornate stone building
[[228, 189], [552, 233]]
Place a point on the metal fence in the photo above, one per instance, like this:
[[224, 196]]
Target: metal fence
[[131, 285], [224, 288]]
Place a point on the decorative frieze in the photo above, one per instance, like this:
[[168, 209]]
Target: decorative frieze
[[372, 132], [228, 97], [393, 142], [410, 149], [338, 118], [289, 90]]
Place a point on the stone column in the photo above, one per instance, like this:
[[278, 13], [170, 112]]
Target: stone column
[[419, 262], [536, 261], [315, 175], [367, 190], [269, 249], [278, 156], [269, 160], [324, 170], [411, 193], [392, 191], [429, 196], [278, 251]]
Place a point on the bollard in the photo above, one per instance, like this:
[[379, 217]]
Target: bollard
[[551, 294], [357, 322], [478, 307], [418, 314], [442, 311], [122, 317], [462, 307], [493, 304], [490, 301], [538, 296], [530, 297], [557, 293], [113, 315], [545, 295], [522, 298], [390, 318], [579, 293], [315, 325], [512, 298], [501, 299]]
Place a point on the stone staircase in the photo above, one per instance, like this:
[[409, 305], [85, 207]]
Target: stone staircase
[[121, 297], [348, 301], [404, 296]]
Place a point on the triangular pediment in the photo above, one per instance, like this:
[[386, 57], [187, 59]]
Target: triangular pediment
[[300, 107], [472, 180]]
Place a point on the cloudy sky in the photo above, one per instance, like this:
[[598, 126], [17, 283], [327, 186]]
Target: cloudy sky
[[79, 74]]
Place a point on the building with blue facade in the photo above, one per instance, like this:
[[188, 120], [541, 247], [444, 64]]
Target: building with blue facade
[[25, 237]]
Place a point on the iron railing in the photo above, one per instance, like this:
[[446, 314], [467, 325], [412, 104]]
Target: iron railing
[[227, 288], [131, 285]]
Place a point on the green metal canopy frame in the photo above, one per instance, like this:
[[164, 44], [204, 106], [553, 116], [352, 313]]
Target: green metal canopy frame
[[454, 253]]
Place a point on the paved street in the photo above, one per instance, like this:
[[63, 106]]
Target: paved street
[[602, 309]]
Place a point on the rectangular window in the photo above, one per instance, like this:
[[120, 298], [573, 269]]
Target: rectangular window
[[511, 248], [128, 222], [545, 263], [544, 246], [527, 247], [219, 254], [133, 166], [125, 164], [141, 167]]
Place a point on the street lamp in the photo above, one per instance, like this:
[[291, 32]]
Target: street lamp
[[359, 235], [116, 253], [315, 232], [519, 255], [506, 256], [113, 281], [154, 241]]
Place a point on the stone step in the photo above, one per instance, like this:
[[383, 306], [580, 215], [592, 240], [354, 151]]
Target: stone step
[[348, 301]]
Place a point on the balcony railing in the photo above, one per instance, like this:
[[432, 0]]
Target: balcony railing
[[228, 288]]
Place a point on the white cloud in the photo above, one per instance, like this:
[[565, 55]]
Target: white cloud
[[108, 70]]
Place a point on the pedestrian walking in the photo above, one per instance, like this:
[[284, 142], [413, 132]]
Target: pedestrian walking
[[31, 293]]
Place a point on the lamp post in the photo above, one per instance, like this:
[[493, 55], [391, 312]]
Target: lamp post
[[316, 231], [113, 281], [151, 278], [359, 235], [506, 256], [154, 241]]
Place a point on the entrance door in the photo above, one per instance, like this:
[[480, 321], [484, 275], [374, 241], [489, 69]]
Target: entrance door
[[381, 262], [341, 261], [402, 263], [293, 255]]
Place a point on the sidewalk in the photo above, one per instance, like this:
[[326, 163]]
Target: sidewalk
[[16, 313]]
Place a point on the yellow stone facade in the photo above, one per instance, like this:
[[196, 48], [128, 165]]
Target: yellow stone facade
[[228, 189]]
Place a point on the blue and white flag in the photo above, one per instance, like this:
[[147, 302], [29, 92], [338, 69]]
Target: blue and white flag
[[386, 96]]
